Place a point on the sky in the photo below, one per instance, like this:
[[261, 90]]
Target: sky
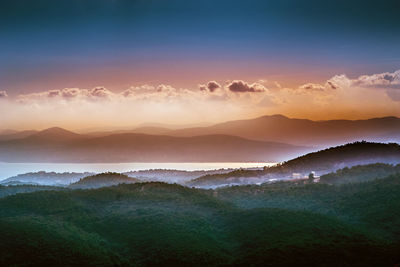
[[116, 63]]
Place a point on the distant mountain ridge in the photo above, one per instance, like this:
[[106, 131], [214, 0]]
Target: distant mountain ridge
[[55, 134], [279, 128], [12, 135], [274, 128], [59, 145]]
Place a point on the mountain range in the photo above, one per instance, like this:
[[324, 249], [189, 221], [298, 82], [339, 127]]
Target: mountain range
[[60, 145], [267, 139], [279, 128]]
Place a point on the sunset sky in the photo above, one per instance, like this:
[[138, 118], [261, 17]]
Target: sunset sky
[[83, 64]]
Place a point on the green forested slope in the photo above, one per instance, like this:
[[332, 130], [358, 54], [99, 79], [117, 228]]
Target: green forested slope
[[156, 224]]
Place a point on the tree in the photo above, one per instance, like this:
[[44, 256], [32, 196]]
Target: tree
[[311, 177]]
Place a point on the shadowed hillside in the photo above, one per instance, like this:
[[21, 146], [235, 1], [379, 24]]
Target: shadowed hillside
[[320, 162]]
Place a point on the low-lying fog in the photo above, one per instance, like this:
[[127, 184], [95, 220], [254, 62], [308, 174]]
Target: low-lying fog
[[12, 169]]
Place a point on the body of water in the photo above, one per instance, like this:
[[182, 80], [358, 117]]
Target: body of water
[[11, 169]]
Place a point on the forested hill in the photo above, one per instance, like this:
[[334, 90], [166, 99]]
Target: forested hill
[[156, 224], [346, 155], [45, 178], [321, 162], [103, 180], [360, 173]]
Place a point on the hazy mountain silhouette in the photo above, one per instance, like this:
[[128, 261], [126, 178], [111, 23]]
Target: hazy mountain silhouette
[[54, 134], [279, 128], [59, 145], [142, 130], [10, 135], [275, 128]]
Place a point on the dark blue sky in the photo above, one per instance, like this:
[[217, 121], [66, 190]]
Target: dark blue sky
[[76, 43]]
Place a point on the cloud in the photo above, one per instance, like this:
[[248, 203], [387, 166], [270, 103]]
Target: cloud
[[331, 84], [338, 97], [165, 88], [277, 85], [136, 93], [160, 93], [74, 107], [100, 92], [387, 81], [381, 80], [312, 87], [53, 93], [210, 86], [239, 86], [138, 90], [390, 81], [68, 94], [3, 94]]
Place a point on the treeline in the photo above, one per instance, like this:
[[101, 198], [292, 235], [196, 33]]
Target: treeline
[[103, 180], [360, 173], [19, 189], [45, 178]]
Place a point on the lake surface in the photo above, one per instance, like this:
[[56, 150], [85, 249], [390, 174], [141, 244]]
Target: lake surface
[[12, 169]]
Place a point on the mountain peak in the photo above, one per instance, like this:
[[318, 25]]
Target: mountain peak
[[56, 133]]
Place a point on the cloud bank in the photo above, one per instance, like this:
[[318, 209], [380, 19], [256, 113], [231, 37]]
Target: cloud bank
[[365, 96]]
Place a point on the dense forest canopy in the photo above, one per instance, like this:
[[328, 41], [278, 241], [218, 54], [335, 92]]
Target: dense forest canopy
[[153, 224]]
